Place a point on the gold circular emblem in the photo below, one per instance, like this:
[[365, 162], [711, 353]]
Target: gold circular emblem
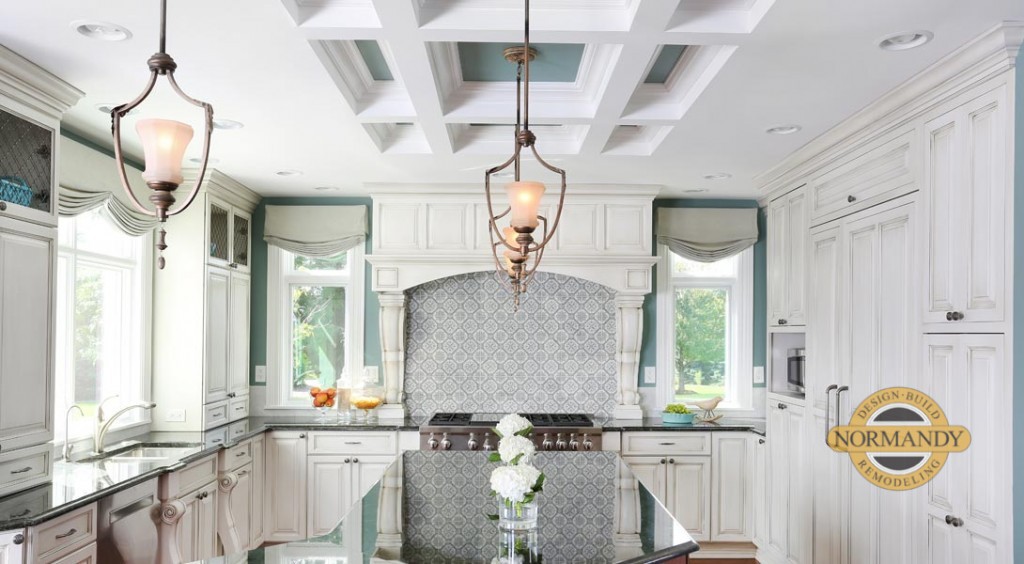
[[898, 438]]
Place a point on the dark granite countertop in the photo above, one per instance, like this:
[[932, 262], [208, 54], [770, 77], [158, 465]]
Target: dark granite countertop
[[656, 424]]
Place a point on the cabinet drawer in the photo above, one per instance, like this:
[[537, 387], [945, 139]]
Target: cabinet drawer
[[343, 442], [656, 444], [236, 456], [190, 478], [878, 175], [236, 430], [215, 414], [238, 408], [23, 468], [216, 437], [84, 555], [63, 535]]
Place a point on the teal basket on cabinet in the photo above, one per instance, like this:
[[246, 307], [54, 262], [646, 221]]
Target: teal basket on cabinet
[[677, 418], [15, 191]]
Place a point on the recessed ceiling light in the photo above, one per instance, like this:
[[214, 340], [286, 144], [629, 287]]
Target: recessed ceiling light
[[783, 129], [327, 188], [695, 191], [717, 176], [106, 108], [905, 40], [289, 172], [104, 31], [199, 160], [227, 124]]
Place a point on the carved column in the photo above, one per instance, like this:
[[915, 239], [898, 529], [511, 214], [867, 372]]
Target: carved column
[[392, 345], [629, 327], [389, 514], [627, 519]]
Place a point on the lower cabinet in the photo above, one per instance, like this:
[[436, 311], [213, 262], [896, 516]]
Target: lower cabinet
[[188, 513], [284, 514], [335, 483], [786, 489], [234, 514], [760, 492], [711, 494], [259, 482]]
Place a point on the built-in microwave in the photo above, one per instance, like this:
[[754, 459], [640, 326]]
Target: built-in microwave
[[795, 371]]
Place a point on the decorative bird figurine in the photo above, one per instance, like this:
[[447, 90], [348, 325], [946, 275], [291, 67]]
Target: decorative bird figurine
[[708, 406]]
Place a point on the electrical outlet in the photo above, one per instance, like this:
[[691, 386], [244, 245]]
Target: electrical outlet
[[370, 374], [650, 375], [759, 375], [261, 374], [175, 416]]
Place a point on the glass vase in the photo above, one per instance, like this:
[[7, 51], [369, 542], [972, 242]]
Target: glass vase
[[517, 533]]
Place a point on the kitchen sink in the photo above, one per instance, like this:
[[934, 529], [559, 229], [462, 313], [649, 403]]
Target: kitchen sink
[[148, 452]]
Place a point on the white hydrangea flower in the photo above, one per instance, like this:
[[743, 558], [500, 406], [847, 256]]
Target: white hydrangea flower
[[512, 424], [512, 446], [514, 482]]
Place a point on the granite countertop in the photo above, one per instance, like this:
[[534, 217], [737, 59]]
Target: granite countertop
[[656, 424]]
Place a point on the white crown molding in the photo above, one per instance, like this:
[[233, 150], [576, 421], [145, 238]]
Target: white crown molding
[[34, 86], [382, 191], [368, 98], [987, 56], [226, 186]]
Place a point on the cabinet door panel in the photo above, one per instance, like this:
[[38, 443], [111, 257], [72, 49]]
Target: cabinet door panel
[[329, 492], [778, 481], [650, 471], [26, 334], [238, 365], [206, 524], [942, 180], [285, 508], [689, 480], [217, 345], [823, 365], [829, 484], [799, 502], [777, 241], [796, 251], [731, 495], [258, 487], [367, 472], [760, 491], [940, 542], [11, 553]]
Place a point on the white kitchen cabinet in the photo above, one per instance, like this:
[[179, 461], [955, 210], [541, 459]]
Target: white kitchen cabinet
[[187, 524], [965, 201], [27, 262], [760, 501], [12, 547], [84, 555], [966, 518], [201, 346], [259, 483], [682, 484], [234, 514], [285, 502], [732, 489], [196, 531], [787, 505], [787, 247]]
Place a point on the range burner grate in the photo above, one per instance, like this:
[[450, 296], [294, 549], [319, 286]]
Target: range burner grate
[[538, 419]]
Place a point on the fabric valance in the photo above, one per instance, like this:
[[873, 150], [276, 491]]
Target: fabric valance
[[316, 231], [74, 202], [707, 234]]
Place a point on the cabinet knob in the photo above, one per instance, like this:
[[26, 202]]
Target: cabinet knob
[[347, 460], [782, 321], [760, 441], [851, 199], [355, 461], [671, 460], [783, 406], [231, 394], [18, 538], [662, 461], [302, 435], [954, 521], [3, 205]]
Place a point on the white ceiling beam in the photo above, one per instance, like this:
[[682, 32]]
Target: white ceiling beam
[[631, 67], [412, 67]]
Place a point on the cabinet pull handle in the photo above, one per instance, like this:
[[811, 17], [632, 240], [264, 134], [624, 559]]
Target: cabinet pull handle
[[760, 441], [3, 206], [839, 394], [240, 408], [21, 470], [851, 199], [782, 321], [242, 473], [667, 444], [782, 406], [67, 534], [20, 514], [215, 441], [242, 453], [231, 394], [828, 401], [353, 442]]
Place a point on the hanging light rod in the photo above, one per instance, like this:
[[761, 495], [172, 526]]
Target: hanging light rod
[[521, 254], [163, 143]]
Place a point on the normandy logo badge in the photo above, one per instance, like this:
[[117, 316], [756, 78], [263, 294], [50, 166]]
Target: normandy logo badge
[[898, 438]]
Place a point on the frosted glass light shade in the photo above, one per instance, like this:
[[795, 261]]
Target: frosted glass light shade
[[524, 199], [163, 143]]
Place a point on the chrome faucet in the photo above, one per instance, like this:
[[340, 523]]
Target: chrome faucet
[[68, 445], [103, 423]]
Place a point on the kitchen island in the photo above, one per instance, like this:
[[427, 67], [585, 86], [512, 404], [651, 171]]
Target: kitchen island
[[434, 506]]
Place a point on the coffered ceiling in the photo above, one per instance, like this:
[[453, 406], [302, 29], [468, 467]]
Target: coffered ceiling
[[355, 92]]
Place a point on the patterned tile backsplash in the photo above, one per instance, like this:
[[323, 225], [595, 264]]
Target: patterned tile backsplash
[[466, 350]]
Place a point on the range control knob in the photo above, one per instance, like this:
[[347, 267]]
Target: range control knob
[[587, 443], [560, 443], [573, 443], [445, 443], [472, 444], [547, 444], [432, 442], [487, 442]]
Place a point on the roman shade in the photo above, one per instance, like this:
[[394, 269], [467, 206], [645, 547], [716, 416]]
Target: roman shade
[[316, 231], [707, 234], [74, 202]]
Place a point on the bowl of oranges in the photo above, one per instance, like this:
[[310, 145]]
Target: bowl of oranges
[[323, 399]]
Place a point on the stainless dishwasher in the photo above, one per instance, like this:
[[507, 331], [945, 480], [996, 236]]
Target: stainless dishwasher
[[127, 529]]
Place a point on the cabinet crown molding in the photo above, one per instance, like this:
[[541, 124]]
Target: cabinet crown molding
[[990, 54], [24, 80], [236, 192]]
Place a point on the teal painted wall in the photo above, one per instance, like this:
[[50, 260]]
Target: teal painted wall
[[258, 305], [1018, 317], [649, 350]]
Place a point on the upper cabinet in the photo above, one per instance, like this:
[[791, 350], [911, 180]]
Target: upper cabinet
[[966, 164], [228, 235], [27, 168], [787, 249]]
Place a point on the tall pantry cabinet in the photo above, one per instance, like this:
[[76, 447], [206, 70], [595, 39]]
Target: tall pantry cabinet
[[201, 310], [32, 102]]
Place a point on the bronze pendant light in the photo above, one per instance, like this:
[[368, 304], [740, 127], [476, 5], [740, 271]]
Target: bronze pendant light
[[521, 252], [163, 143]]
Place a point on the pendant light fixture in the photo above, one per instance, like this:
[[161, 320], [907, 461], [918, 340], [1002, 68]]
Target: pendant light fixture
[[520, 253], [163, 143]]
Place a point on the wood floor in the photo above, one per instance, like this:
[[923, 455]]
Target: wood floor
[[722, 561]]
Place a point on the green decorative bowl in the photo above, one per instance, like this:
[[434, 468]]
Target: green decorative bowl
[[677, 418]]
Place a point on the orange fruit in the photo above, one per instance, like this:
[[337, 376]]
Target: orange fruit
[[314, 391], [331, 392], [330, 403]]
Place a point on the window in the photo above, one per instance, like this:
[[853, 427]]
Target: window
[[102, 344], [705, 330], [315, 335]]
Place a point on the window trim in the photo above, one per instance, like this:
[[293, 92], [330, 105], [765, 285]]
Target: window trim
[[278, 327], [141, 325], [740, 340]]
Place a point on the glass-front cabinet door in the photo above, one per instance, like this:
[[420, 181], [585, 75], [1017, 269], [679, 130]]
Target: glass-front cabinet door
[[220, 232], [26, 168], [240, 239]]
